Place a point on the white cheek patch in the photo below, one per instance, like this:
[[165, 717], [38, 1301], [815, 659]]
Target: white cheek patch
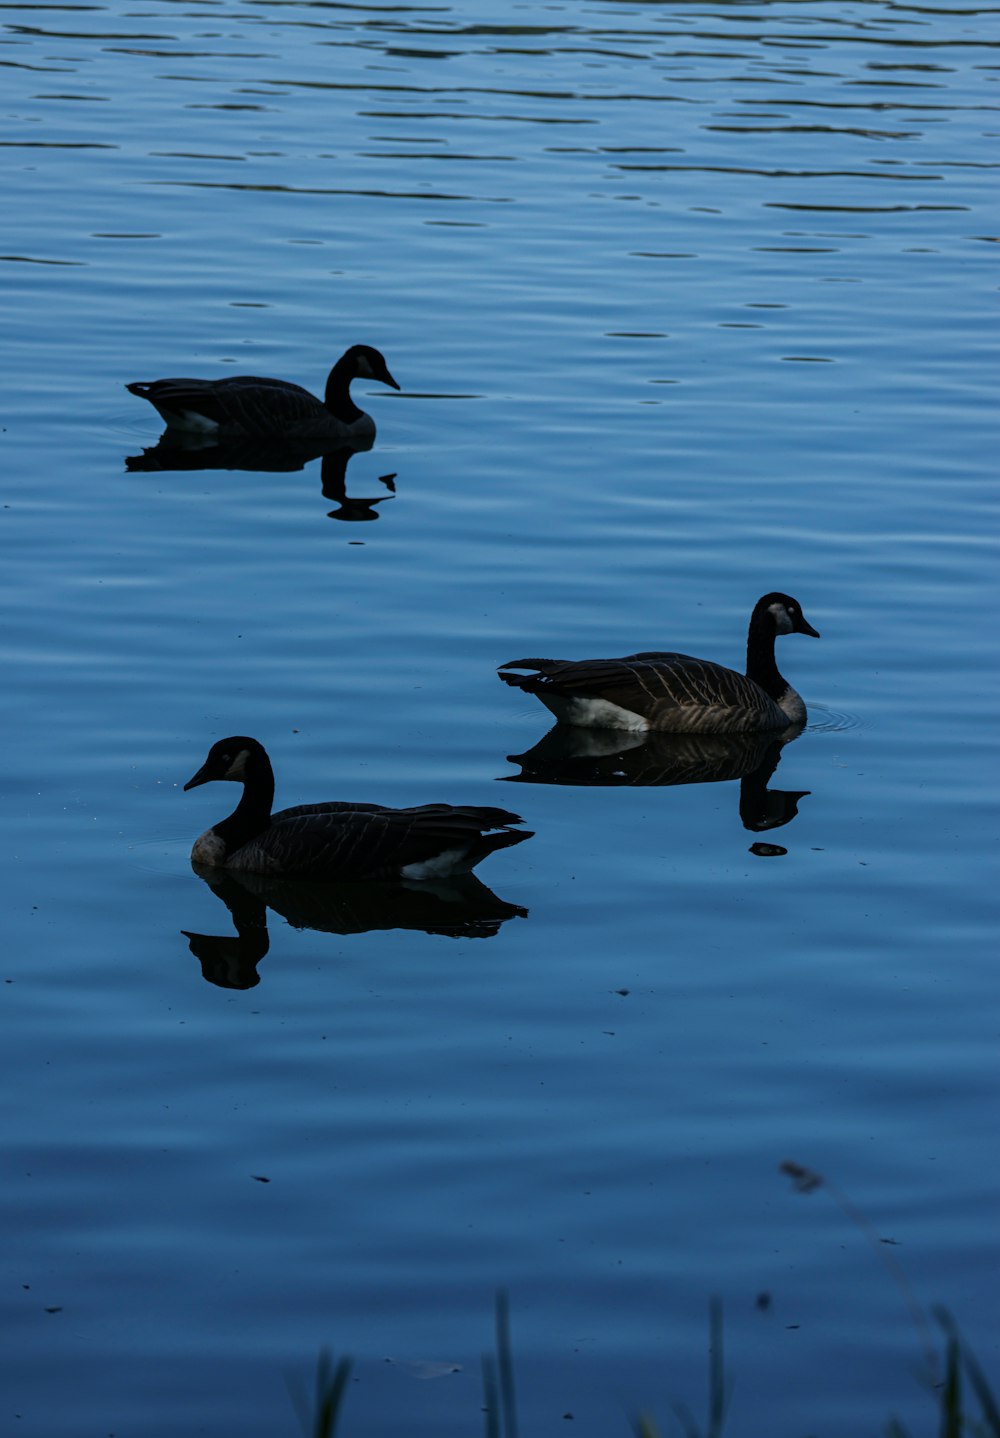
[[238, 768], [363, 368], [782, 623]]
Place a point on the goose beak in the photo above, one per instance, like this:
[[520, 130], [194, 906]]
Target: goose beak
[[387, 378], [200, 778], [804, 627]]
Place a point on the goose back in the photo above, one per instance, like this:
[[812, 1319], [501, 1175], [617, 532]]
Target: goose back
[[336, 839], [673, 692], [270, 408], [656, 690], [366, 841], [241, 404]]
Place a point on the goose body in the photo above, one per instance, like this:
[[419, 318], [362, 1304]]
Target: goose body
[[675, 693], [339, 840], [252, 405]]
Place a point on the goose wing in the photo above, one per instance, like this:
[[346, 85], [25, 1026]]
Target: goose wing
[[647, 678], [367, 841], [247, 402], [666, 690]]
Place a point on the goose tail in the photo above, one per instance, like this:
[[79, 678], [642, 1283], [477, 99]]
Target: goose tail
[[491, 843], [525, 681]]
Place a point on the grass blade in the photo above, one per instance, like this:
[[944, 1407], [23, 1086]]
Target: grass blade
[[976, 1376], [718, 1398], [329, 1394], [491, 1397], [505, 1363]]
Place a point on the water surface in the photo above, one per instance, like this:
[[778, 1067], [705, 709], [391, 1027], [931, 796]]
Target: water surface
[[688, 303]]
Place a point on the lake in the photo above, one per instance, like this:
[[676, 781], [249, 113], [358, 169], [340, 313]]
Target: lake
[[687, 303]]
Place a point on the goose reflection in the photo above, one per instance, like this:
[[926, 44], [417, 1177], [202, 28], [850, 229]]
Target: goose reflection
[[177, 451], [609, 757], [458, 908], [352, 509]]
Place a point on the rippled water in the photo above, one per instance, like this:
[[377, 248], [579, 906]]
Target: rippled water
[[688, 302]]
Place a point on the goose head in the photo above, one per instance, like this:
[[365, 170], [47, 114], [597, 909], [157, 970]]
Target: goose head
[[366, 362], [238, 758], [784, 613]]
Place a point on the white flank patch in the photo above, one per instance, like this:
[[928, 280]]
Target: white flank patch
[[593, 713], [440, 867], [190, 421]]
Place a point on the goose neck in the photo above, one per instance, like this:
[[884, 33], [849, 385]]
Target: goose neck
[[761, 666], [338, 393], [253, 813]]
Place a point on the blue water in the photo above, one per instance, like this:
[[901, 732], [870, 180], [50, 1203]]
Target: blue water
[[687, 303]]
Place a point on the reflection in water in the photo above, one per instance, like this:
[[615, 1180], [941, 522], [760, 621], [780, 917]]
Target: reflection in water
[[458, 908], [177, 451], [609, 757], [334, 477]]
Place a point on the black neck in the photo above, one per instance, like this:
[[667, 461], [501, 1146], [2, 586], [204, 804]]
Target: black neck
[[338, 392], [761, 667], [253, 813]]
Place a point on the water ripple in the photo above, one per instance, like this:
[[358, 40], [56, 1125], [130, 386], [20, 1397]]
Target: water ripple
[[831, 721]]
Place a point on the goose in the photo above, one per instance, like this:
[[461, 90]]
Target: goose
[[247, 404], [339, 840], [674, 692]]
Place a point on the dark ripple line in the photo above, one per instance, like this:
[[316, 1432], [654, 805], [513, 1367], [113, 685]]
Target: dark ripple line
[[56, 145], [872, 105], [780, 174], [478, 116], [34, 260], [435, 155], [863, 132], [586, 98], [322, 190], [185, 54], [42, 34], [38, 69], [865, 209]]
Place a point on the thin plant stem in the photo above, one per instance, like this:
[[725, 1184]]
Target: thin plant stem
[[505, 1363], [491, 1397], [807, 1180]]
